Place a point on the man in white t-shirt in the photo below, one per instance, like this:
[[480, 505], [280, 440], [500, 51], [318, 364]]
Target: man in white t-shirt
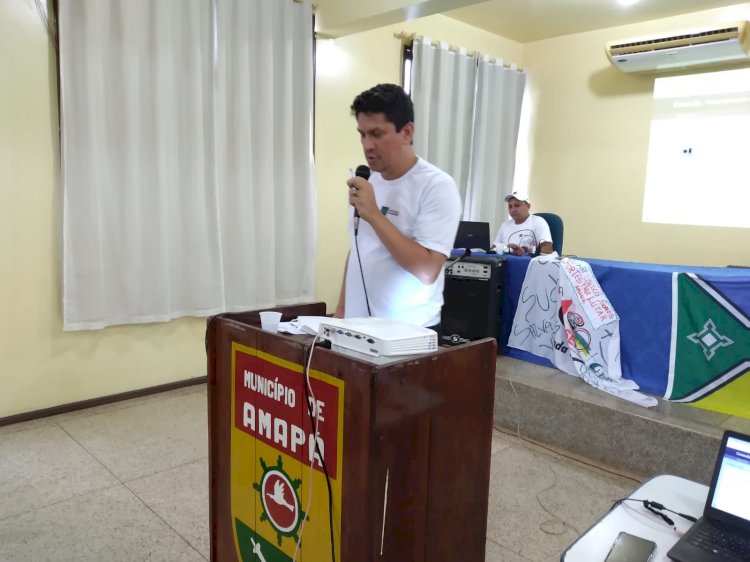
[[409, 212], [522, 233]]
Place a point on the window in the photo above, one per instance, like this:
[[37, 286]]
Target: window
[[407, 59]]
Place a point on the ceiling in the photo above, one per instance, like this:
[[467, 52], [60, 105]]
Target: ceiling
[[519, 20]]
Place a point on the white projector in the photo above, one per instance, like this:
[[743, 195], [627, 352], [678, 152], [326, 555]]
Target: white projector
[[378, 336]]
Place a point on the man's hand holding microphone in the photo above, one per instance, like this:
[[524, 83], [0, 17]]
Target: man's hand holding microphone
[[361, 195]]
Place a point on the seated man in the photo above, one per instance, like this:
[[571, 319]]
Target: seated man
[[523, 232]]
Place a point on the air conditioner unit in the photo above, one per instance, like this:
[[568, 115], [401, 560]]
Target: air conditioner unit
[[721, 44]]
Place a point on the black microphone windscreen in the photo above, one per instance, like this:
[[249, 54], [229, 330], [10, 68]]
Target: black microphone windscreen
[[362, 172]]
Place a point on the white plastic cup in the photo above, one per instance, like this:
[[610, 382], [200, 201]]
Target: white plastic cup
[[269, 320]]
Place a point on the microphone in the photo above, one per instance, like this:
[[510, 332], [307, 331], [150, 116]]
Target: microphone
[[362, 172]]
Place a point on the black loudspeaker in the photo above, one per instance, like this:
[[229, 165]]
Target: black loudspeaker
[[472, 299]]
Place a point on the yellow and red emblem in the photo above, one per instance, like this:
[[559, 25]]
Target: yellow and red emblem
[[284, 438]]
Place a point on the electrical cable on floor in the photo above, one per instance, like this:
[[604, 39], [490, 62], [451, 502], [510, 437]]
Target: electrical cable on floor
[[556, 517], [579, 460], [524, 439], [538, 499]]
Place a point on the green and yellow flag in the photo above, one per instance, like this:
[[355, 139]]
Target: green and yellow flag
[[710, 348]]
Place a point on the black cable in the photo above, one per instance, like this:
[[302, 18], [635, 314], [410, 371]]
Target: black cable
[[659, 514], [657, 505], [449, 269], [362, 274], [362, 172], [656, 508], [314, 423]]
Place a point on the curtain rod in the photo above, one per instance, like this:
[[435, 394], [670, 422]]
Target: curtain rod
[[410, 37]]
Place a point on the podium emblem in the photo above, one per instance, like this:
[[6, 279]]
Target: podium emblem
[[280, 501], [277, 456]]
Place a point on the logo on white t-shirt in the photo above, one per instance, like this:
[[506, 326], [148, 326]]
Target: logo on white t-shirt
[[524, 238]]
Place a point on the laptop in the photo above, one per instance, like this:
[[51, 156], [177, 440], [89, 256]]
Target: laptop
[[472, 235], [727, 510]]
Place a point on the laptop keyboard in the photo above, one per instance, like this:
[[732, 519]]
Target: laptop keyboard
[[723, 543]]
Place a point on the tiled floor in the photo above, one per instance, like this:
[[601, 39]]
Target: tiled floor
[[129, 482]]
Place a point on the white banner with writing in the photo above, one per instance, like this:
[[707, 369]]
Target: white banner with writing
[[564, 316]]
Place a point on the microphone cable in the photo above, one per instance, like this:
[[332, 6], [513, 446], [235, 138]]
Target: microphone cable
[[362, 172], [449, 269], [362, 275], [310, 398]]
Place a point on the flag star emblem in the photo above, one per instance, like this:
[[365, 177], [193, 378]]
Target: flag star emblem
[[710, 339]]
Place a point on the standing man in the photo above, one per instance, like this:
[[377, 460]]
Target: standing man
[[409, 212], [523, 232]]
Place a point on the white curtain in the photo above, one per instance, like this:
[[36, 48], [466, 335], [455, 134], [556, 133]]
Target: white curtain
[[187, 162], [467, 114], [265, 172], [443, 95], [493, 157]]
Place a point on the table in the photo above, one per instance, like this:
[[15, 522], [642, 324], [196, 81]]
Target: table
[[645, 296], [673, 492]]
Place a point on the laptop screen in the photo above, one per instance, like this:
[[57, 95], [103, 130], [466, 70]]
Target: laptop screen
[[730, 486], [473, 235], [731, 493]]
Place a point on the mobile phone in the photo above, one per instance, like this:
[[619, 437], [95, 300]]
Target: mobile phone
[[630, 548]]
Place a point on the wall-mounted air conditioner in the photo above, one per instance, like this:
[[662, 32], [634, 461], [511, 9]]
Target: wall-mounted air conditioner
[[711, 45]]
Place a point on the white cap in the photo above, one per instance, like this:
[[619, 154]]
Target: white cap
[[517, 195]]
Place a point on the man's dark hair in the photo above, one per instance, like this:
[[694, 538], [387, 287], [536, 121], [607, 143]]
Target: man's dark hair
[[389, 99]]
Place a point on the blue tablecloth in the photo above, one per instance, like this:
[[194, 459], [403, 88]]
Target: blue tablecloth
[[642, 296]]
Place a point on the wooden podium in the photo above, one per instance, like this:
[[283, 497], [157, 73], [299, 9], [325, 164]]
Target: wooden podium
[[405, 443]]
